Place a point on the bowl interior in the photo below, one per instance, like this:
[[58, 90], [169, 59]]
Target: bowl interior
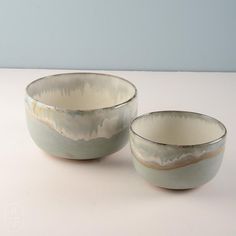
[[81, 91], [178, 128]]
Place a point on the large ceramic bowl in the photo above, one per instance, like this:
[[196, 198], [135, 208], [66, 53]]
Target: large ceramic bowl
[[177, 149], [80, 115]]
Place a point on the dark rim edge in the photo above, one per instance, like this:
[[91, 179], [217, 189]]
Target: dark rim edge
[[78, 110], [175, 145]]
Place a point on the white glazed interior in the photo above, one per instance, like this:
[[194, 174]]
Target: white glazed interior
[[81, 91], [178, 128]]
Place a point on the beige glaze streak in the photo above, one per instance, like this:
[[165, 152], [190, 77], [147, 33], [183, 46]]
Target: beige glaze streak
[[106, 129], [37, 112], [181, 163]]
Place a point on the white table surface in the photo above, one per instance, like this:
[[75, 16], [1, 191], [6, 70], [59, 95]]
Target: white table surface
[[44, 195]]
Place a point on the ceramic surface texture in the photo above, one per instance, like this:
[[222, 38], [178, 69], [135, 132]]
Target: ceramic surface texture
[[177, 149], [80, 115]]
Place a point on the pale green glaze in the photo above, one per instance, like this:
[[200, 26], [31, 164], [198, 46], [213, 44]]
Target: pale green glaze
[[76, 133], [176, 166], [57, 145], [190, 176]]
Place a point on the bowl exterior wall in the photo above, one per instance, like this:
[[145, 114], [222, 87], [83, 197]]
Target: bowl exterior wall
[[79, 135], [176, 167]]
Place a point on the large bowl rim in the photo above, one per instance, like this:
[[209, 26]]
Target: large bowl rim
[[184, 145], [80, 110]]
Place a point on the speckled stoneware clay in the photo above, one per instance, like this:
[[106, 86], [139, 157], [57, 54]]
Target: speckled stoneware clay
[[80, 115], [177, 149]]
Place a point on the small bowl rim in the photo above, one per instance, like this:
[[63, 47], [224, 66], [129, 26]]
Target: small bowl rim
[[80, 110], [184, 145]]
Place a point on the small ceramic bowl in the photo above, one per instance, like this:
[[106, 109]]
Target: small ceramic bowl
[[177, 149], [80, 115]]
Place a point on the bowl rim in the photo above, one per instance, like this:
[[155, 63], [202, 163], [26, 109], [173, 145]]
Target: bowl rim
[[183, 145], [80, 110]]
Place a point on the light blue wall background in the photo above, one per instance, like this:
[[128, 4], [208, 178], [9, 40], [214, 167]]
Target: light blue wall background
[[196, 35]]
